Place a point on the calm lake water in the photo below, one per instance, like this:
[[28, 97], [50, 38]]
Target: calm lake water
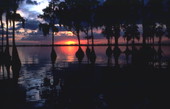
[[36, 67]]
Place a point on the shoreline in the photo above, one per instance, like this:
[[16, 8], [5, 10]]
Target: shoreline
[[48, 45]]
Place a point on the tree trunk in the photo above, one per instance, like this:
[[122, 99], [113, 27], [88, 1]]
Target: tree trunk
[[144, 22], [92, 36], [53, 24], [153, 39], [78, 37], [7, 38], [52, 38], [88, 42], [108, 41], [160, 40], [2, 26], [127, 42], [133, 41], [13, 29], [116, 40]]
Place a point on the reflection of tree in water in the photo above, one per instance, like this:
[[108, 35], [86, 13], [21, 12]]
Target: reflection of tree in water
[[88, 53], [159, 56], [109, 53], [10, 79], [80, 54], [16, 64], [127, 53], [116, 54], [9, 8], [2, 44], [52, 89], [93, 55], [6, 53]]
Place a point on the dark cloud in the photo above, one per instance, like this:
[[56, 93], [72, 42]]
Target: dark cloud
[[32, 24], [29, 24], [31, 2]]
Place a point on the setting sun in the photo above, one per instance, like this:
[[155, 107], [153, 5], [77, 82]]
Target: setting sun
[[70, 42]]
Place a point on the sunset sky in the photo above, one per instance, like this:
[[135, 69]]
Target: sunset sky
[[30, 9]]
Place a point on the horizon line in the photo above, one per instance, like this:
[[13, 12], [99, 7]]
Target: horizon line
[[47, 45]]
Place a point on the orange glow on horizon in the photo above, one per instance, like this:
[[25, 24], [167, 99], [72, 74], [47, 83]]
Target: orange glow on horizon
[[70, 42]]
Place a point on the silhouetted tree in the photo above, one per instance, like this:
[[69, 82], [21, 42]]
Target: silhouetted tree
[[151, 32], [111, 21], [131, 33], [73, 21], [49, 15], [7, 56], [153, 12], [167, 17], [15, 62], [160, 32], [116, 33], [77, 16], [108, 33]]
